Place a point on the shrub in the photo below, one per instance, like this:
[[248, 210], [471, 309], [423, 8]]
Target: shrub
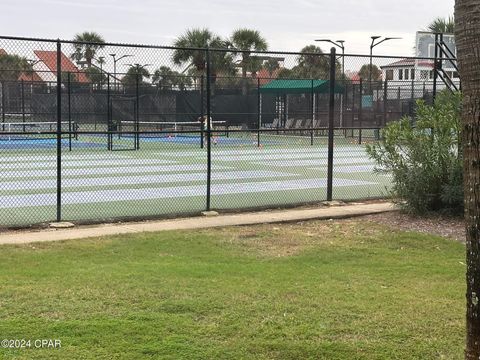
[[423, 156]]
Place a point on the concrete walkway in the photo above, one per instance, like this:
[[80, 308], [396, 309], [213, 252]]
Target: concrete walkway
[[250, 218]]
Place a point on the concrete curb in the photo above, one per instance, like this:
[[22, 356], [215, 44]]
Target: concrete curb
[[262, 217]]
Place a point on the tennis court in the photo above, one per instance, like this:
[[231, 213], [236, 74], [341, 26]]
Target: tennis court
[[126, 145], [167, 175]]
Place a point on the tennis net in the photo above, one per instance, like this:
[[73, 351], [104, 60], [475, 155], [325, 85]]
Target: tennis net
[[36, 130], [167, 128]]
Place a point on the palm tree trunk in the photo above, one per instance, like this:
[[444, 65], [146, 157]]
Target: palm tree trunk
[[467, 33]]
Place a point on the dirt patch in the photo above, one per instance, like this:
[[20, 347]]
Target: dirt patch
[[281, 240], [448, 227]]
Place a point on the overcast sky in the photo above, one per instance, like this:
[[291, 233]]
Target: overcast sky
[[287, 25]]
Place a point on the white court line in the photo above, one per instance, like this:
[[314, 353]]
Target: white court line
[[86, 163], [99, 196], [30, 174], [140, 179], [307, 152], [109, 155], [272, 149], [349, 169], [263, 150], [282, 156], [309, 162], [68, 157]]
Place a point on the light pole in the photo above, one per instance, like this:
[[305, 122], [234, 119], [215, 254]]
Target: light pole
[[372, 45], [340, 44], [115, 60]]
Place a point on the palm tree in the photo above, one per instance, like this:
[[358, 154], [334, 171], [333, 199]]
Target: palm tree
[[191, 52], [246, 41], [442, 25], [166, 78], [135, 71], [88, 45], [199, 40], [12, 66], [162, 77], [96, 76], [467, 36], [312, 63]]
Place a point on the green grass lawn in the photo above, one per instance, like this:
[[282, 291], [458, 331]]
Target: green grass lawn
[[317, 290]]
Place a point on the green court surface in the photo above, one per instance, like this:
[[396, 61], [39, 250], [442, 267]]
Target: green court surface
[[167, 175]]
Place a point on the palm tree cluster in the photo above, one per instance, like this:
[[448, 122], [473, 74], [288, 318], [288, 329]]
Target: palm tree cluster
[[192, 44], [167, 79], [86, 46], [228, 57]]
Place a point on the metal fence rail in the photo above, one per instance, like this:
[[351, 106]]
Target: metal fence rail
[[137, 131]]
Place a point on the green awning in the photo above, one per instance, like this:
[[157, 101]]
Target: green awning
[[288, 86]]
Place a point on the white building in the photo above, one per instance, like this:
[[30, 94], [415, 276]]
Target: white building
[[413, 77]]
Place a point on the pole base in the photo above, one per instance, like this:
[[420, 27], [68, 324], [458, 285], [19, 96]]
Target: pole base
[[209, 213], [61, 225]]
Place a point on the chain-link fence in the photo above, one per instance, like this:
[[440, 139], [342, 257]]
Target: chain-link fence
[[92, 132]]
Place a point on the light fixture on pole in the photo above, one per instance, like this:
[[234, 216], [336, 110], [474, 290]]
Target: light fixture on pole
[[372, 45], [339, 44], [115, 60]]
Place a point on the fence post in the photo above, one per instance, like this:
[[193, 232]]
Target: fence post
[[23, 102], [209, 145], [331, 109], [136, 110], [312, 105], [109, 116], [3, 101], [412, 99], [202, 113], [259, 112], [360, 114], [435, 69], [59, 131], [385, 100], [69, 104], [375, 111], [353, 111]]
